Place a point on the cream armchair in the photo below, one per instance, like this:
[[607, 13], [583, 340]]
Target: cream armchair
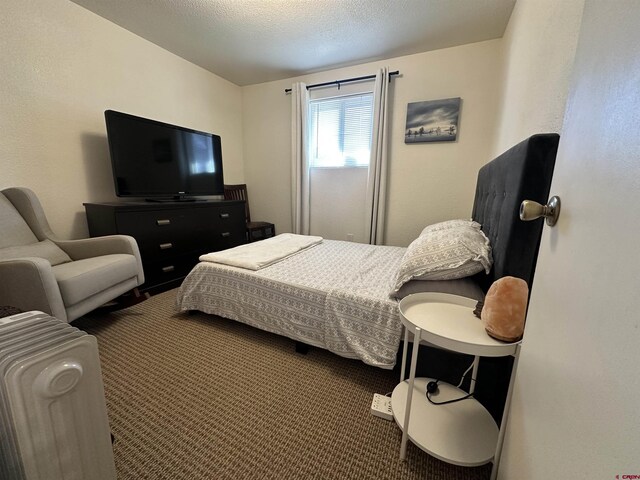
[[65, 278]]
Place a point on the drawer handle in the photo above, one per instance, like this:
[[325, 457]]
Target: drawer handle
[[225, 234], [166, 246], [168, 269], [163, 222], [224, 215]]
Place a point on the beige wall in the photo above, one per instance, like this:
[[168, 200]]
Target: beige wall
[[427, 182], [61, 66], [539, 45]]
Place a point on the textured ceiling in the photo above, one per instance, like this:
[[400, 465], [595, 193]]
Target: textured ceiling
[[254, 41]]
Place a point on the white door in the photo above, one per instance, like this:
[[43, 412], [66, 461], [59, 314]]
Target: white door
[[576, 406]]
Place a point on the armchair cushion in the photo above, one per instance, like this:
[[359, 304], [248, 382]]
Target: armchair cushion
[[80, 279], [15, 230], [45, 249]]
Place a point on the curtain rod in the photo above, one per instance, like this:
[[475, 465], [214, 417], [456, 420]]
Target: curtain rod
[[346, 80]]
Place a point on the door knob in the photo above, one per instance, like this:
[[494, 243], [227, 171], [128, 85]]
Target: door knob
[[530, 210]]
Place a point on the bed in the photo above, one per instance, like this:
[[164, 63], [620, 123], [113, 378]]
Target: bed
[[336, 295]]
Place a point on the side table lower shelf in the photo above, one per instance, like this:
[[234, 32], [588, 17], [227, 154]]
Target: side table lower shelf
[[462, 433]]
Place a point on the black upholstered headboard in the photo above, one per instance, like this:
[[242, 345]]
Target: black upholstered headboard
[[521, 173]]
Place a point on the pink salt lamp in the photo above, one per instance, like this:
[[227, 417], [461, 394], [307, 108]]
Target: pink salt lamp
[[505, 307]]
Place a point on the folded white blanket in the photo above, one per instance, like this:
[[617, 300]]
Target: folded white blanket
[[257, 255]]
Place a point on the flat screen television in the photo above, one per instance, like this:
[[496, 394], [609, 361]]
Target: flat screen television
[[160, 161]]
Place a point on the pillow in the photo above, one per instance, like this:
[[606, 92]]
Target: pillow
[[446, 225], [445, 255], [45, 249]]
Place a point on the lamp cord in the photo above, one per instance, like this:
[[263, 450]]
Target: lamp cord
[[435, 389]]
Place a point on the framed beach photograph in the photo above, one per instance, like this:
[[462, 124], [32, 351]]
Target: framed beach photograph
[[432, 121]]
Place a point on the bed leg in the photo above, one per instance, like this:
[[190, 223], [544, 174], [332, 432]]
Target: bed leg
[[302, 348]]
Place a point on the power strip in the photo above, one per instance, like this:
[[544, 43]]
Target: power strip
[[381, 407]]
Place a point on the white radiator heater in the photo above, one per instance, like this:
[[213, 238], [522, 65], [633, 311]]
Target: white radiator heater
[[53, 415]]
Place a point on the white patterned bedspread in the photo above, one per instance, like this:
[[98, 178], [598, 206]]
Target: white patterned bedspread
[[334, 295]]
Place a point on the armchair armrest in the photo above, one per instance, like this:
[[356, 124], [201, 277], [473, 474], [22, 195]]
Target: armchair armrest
[[29, 284], [96, 246], [107, 245]]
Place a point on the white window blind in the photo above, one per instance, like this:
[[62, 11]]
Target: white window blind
[[340, 131]]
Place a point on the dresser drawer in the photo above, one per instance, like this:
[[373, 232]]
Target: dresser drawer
[[171, 224], [157, 272], [168, 246], [232, 238], [230, 226]]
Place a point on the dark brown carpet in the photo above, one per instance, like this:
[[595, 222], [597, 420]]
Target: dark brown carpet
[[200, 397]]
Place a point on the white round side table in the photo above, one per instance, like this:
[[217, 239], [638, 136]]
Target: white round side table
[[462, 433]]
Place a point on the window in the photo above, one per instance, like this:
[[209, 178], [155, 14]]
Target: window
[[340, 131]]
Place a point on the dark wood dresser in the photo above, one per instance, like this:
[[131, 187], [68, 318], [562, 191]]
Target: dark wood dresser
[[172, 235]]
